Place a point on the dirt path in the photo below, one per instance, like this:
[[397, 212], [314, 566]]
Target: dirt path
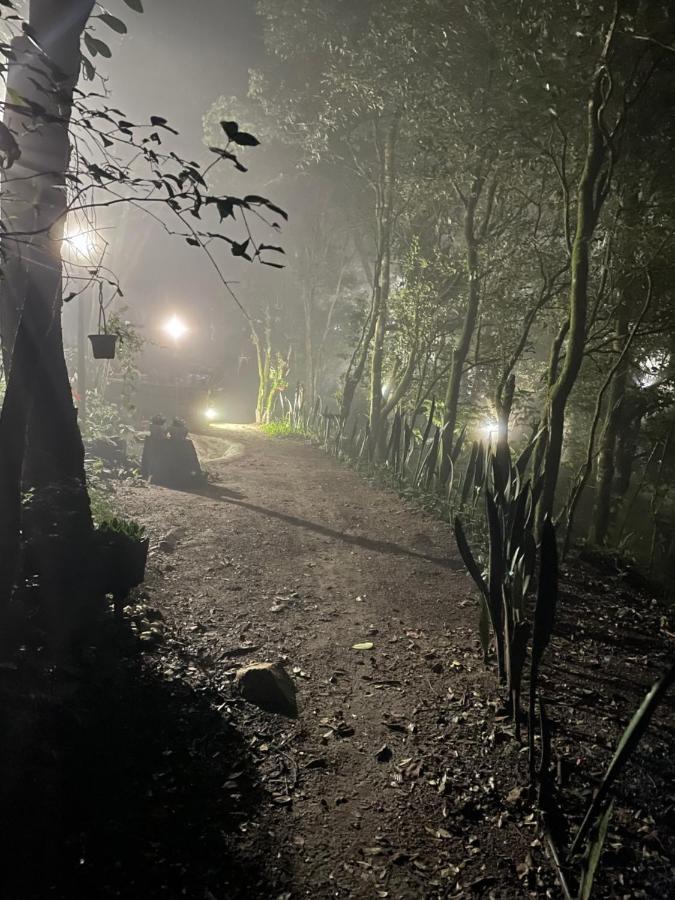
[[395, 780]]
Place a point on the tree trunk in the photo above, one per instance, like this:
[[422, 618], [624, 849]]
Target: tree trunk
[[461, 349], [587, 216], [387, 155], [375, 325], [308, 306], [605, 474], [263, 348], [376, 398], [42, 437], [591, 192]]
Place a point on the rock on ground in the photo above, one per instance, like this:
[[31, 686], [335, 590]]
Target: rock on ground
[[269, 686]]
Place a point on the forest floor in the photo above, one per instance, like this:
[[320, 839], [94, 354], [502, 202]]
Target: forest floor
[[398, 778]]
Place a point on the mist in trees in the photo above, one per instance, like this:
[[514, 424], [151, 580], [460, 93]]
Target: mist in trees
[[486, 203], [437, 237]]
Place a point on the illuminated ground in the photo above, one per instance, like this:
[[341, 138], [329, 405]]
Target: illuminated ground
[[397, 779]]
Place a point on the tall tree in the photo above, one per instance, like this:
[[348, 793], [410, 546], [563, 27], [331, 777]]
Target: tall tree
[[38, 426]]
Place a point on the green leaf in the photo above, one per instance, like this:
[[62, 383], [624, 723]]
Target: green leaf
[[263, 201], [593, 854], [225, 154], [8, 146], [547, 595], [497, 563], [629, 741], [425, 438], [524, 458], [96, 47], [113, 22], [136, 5], [364, 645], [89, 71], [484, 627], [467, 557], [467, 489], [456, 450], [231, 129], [245, 139]]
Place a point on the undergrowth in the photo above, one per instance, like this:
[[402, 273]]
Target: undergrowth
[[283, 429]]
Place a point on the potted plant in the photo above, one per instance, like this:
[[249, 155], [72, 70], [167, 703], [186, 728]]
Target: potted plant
[[103, 345], [124, 552]]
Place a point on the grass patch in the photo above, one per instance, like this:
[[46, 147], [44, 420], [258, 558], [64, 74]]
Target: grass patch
[[283, 429]]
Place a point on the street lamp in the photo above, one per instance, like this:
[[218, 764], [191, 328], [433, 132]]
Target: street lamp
[[175, 328]]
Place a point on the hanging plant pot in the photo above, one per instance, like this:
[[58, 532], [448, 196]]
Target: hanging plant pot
[[103, 345]]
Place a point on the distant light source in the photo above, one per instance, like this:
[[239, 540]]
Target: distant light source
[[176, 328], [210, 413], [83, 244], [488, 429]]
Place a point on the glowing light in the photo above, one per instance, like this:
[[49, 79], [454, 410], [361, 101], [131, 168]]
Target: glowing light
[[82, 244], [652, 366], [176, 328], [488, 429], [210, 413]]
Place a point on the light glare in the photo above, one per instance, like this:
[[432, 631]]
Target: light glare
[[83, 243], [488, 429], [176, 328]]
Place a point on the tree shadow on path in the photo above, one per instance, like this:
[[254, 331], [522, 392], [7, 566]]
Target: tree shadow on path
[[236, 498], [123, 783]]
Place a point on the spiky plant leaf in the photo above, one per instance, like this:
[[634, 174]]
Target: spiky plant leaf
[[467, 557], [425, 438], [593, 853], [408, 447], [537, 488], [431, 462], [393, 447], [526, 455], [544, 619], [517, 644], [484, 626], [481, 469], [501, 469], [497, 575], [451, 478], [470, 472], [516, 519], [547, 594], [627, 744], [529, 553], [459, 443]]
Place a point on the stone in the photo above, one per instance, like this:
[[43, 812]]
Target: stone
[[269, 686], [169, 541]]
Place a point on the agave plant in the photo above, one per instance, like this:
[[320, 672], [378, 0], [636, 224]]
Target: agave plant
[[423, 445], [503, 588], [544, 620]]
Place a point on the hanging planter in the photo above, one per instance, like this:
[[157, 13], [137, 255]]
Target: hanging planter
[[103, 345]]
